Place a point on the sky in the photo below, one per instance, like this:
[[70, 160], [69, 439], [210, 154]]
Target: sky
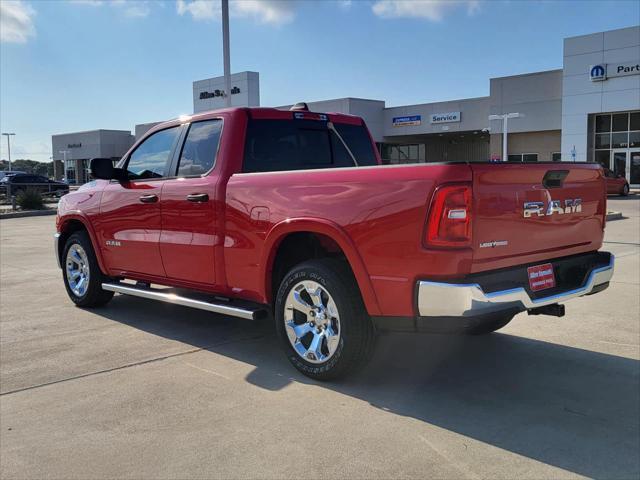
[[85, 64]]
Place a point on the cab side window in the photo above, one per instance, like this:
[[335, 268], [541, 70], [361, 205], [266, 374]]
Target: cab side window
[[198, 155], [151, 157]]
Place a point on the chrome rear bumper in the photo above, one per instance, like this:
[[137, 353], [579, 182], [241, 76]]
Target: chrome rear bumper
[[436, 299]]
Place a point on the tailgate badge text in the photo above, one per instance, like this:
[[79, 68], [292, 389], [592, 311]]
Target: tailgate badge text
[[571, 205]]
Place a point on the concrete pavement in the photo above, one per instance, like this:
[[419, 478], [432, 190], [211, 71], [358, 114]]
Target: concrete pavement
[[144, 390]]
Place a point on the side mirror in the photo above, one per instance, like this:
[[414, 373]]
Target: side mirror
[[103, 168]]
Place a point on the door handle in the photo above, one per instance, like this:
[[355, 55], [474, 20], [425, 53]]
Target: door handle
[[198, 197], [150, 198]]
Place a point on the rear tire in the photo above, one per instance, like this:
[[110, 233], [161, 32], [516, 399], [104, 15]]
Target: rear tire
[[81, 273], [625, 190], [321, 320]]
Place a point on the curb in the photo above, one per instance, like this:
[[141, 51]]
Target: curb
[[614, 216], [31, 213]]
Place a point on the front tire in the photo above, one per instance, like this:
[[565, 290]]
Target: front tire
[[321, 320], [625, 190], [82, 276]]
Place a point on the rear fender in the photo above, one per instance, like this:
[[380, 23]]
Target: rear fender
[[322, 227]]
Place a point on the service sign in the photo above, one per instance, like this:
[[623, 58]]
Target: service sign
[[445, 117], [406, 121]]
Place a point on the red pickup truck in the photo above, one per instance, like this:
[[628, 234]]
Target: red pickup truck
[[257, 211]]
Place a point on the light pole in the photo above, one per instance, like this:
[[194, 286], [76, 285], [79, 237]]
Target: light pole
[[8, 135], [64, 163], [505, 118], [225, 52]]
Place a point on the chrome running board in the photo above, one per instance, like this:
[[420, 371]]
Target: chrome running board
[[246, 312]]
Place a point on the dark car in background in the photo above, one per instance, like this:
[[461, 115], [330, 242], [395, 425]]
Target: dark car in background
[[616, 183], [13, 184]]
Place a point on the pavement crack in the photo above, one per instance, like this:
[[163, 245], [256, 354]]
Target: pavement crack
[[99, 372], [133, 364]]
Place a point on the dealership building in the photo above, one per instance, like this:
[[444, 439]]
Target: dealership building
[[72, 151], [589, 110]]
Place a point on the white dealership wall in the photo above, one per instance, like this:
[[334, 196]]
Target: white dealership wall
[[582, 97], [208, 94], [472, 115]]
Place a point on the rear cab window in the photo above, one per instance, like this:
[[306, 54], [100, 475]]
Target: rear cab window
[[300, 144]]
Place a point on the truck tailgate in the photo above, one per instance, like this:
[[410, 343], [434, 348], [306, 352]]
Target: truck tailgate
[[525, 213]]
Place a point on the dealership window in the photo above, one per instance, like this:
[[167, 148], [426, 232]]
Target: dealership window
[[556, 156], [70, 174], [411, 153], [603, 157], [613, 131], [620, 122], [603, 123], [523, 157]]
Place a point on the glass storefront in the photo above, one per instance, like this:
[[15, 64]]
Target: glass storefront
[[617, 143], [412, 153]]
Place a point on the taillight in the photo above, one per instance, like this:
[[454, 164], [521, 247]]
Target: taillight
[[449, 223]]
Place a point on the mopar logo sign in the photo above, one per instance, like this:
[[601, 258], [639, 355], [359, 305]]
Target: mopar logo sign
[[598, 73], [605, 71], [406, 121]]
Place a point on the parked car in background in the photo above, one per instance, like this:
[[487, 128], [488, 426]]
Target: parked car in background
[[616, 183], [14, 184], [8, 173]]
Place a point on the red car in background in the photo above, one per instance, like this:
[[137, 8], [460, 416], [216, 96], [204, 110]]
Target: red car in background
[[616, 183]]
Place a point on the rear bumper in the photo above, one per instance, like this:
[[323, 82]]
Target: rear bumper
[[463, 304], [441, 299]]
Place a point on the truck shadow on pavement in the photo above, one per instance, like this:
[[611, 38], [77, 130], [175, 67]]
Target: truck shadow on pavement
[[571, 408]]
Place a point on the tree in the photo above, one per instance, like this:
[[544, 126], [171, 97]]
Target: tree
[[29, 166]]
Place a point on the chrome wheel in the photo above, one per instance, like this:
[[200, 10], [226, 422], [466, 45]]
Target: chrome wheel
[[312, 322], [77, 266]]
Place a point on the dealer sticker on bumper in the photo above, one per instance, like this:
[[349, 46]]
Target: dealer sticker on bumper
[[541, 277]]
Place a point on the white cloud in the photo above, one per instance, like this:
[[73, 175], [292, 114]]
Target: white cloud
[[265, 11], [138, 10], [93, 3], [130, 8], [433, 10], [16, 21], [199, 9], [275, 12]]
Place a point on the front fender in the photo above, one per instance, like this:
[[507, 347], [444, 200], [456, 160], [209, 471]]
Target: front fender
[[64, 221], [324, 227]]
